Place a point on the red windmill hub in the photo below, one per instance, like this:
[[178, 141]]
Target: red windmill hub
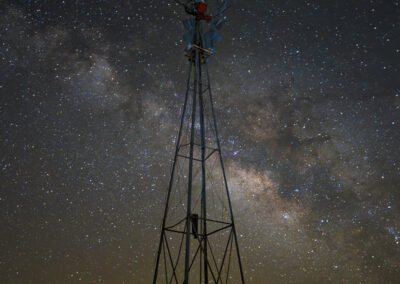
[[201, 9]]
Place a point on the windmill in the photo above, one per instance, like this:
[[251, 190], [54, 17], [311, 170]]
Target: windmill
[[198, 242]]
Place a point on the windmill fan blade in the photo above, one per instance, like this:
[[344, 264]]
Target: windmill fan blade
[[189, 24], [210, 38]]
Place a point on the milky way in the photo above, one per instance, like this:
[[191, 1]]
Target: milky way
[[307, 97]]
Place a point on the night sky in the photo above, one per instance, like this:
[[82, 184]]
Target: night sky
[[307, 95]]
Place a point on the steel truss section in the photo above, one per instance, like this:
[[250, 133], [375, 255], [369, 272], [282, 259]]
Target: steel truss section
[[194, 243]]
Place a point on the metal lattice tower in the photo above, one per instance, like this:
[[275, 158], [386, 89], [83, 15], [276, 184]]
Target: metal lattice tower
[[198, 242]]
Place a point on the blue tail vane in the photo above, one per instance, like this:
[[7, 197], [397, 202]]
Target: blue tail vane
[[189, 36], [212, 36]]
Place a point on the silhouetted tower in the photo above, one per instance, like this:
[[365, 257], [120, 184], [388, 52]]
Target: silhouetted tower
[[198, 242]]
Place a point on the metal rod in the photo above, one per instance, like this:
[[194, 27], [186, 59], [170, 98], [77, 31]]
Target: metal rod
[[186, 157], [180, 232], [189, 196], [216, 221], [212, 255], [172, 175], [223, 259], [223, 172], [220, 229], [165, 266], [169, 227], [203, 172], [170, 257], [229, 264], [209, 155], [209, 266], [179, 256]]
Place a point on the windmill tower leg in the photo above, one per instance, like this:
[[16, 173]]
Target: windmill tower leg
[[224, 174], [203, 176], [189, 192], [178, 141]]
